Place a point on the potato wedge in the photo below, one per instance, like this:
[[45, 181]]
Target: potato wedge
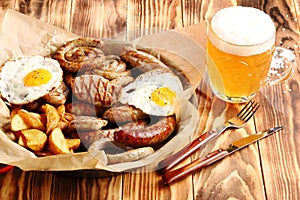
[[14, 112], [68, 117], [57, 142], [62, 124], [73, 143], [34, 139], [17, 123], [33, 120], [22, 141], [53, 117], [61, 110]]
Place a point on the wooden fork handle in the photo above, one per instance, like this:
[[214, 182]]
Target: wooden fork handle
[[170, 162], [178, 174]]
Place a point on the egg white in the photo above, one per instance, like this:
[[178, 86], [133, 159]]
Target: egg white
[[159, 77], [14, 71], [141, 99], [138, 93]]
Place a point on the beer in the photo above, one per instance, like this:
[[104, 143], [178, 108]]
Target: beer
[[239, 52]]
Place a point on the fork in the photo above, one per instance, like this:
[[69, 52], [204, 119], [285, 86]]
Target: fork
[[237, 121]]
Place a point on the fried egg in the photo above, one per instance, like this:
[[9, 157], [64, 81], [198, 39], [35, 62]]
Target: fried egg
[[153, 92], [26, 79]]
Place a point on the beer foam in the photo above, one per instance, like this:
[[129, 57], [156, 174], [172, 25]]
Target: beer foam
[[242, 31]]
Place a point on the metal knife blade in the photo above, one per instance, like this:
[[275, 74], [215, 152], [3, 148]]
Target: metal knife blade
[[178, 174], [241, 143]]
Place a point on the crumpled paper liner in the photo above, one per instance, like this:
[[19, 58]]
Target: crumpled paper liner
[[22, 35]]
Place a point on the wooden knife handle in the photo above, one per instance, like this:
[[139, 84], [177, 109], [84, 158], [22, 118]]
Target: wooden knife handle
[[170, 162], [178, 174]]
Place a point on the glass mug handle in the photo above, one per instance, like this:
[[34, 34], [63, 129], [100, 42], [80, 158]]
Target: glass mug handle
[[282, 66]]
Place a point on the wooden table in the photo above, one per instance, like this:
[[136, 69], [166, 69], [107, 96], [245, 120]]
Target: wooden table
[[269, 169]]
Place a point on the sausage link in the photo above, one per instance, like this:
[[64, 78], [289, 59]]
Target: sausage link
[[86, 123], [79, 108], [125, 113], [80, 54], [89, 137], [95, 90], [149, 136], [141, 60], [130, 155]]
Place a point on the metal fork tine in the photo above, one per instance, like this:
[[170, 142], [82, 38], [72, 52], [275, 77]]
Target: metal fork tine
[[238, 121], [251, 112], [245, 109]]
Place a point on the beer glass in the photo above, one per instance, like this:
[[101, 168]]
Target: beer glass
[[241, 54]]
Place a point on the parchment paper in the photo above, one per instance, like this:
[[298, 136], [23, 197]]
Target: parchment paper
[[23, 35]]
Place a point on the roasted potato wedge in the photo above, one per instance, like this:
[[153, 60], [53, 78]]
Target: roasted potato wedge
[[34, 139], [61, 110], [14, 112], [62, 124], [17, 123], [22, 141], [53, 117], [33, 120], [73, 143], [57, 142]]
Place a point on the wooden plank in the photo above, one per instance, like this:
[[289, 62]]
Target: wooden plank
[[280, 166], [86, 188], [46, 185], [241, 171], [195, 11], [153, 188], [284, 15], [98, 18], [54, 12], [147, 16], [248, 3], [17, 184]]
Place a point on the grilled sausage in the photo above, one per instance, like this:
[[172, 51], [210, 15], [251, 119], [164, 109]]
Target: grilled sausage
[[96, 90], [86, 123], [89, 137], [141, 60], [124, 80], [80, 54], [80, 108], [125, 113], [110, 75], [113, 63], [57, 96], [148, 136], [130, 155]]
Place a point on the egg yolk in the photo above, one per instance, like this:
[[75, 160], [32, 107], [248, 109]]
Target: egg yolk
[[37, 77], [163, 96]]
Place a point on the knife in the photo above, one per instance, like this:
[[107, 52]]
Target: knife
[[178, 174]]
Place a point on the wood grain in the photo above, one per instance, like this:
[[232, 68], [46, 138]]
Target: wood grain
[[54, 12], [279, 163], [154, 187], [284, 16], [146, 16], [196, 11], [239, 170], [277, 158], [266, 170], [49, 185], [99, 19]]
